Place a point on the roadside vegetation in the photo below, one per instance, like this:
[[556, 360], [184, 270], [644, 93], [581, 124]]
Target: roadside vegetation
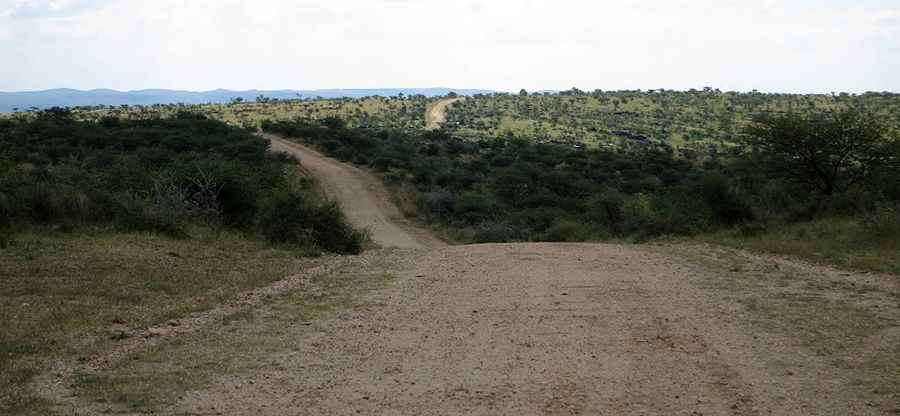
[[68, 295], [786, 171], [165, 176], [109, 227]]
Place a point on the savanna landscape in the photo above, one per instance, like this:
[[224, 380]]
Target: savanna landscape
[[136, 244], [440, 251]]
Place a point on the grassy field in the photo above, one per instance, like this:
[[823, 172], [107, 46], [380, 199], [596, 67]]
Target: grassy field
[[68, 295]]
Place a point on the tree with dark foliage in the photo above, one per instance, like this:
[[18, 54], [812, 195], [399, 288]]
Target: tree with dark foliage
[[827, 152]]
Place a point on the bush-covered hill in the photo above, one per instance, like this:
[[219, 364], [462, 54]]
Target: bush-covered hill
[[695, 122], [494, 190], [157, 175]]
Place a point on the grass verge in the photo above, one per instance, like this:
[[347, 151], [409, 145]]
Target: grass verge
[[66, 295], [849, 321], [841, 242], [156, 380]]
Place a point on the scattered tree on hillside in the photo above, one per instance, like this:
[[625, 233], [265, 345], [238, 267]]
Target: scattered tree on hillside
[[828, 152]]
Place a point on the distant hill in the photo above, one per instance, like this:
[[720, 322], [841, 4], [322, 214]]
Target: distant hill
[[64, 97]]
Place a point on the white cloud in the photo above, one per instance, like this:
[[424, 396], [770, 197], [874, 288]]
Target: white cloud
[[202, 44], [887, 17]]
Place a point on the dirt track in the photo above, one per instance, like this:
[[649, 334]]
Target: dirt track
[[362, 197], [542, 329], [555, 329], [437, 113]]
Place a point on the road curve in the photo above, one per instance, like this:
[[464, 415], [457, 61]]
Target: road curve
[[529, 329], [362, 196], [437, 113]]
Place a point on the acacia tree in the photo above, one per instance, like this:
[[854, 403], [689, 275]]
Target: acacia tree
[[828, 152]]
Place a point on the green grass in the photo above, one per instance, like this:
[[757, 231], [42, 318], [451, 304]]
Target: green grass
[[66, 295], [841, 242]]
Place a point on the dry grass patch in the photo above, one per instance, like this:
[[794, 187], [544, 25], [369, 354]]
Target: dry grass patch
[[157, 378], [845, 243], [851, 321], [66, 295]]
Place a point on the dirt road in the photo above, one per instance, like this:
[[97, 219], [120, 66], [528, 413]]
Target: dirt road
[[548, 329], [534, 329], [565, 329], [362, 197], [437, 113]]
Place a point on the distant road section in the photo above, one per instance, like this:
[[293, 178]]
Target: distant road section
[[362, 197], [436, 114]]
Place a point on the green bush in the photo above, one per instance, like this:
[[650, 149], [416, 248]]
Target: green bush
[[494, 232], [727, 206], [140, 214], [566, 231], [881, 222], [333, 233], [283, 218], [637, 213], [679, 213], [6, 211], [606, 210], [290, 217], [776, 198], [156, 175], [508, 189]]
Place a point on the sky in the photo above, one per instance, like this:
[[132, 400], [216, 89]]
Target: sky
[[769, 45]]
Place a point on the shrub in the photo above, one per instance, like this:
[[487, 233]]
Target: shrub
[[637, 213], [6, 211], [494, 232], [160, 175], [882, 222], [474, 207], [677, 212], [141, 214], [775, 198], [283, 218], [438, 203], [606, 209], [333, 233], [290, 217], [727, 207], [566, 231]]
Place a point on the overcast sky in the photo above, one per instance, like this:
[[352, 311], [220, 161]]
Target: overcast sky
[[769, 45]]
